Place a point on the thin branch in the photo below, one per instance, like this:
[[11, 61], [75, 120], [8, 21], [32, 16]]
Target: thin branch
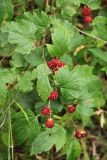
[[8, 107], [46, 2], [11, 138], [84, 148], [2, 60], [95, 37], [3, 122], [9, 141], [78, 49], [16, 5]]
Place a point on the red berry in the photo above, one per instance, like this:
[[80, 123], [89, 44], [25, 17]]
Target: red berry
[[87, 19], [80, 133], [49, 123], [50, 64], [53, 95], [83, 132], [62, 64], [71, 108], [86, 11], [55, 64], [46, 111]]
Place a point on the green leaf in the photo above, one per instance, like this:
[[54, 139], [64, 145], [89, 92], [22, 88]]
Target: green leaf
[[35, 58], [67, 59], [100, 27], [90, 86], [61, 39], [56, 107], [72, 149], [104, 69], [86, 104], [22, 129], [6, 10], [100, 54], [17, 60], [47, 139], [84, 77], [7, 51], [68, 11], [22, 33], [24, 82], [43, 85], [92, 4], [43, 70], [62, 3], [40, 3], [76, 40], [76, 2], [3, 94], [4, 136], [7, 76], [82, 84], [69, 86], [34, 74], [41, 19]]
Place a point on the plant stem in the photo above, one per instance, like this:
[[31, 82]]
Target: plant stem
[[84, 147], [85, 33], [10, 138], [9, 156], [46, 2]]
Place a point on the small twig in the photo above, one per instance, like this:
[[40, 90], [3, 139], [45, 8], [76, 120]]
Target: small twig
[[8, 106], [3, 122], [16, 5], [84, 147], [46, 3], [43, 55], [11, 138], [2, 60], [78, 49], [39, 157], [95, 37], [75, 126], [49, 105], [94, 149]]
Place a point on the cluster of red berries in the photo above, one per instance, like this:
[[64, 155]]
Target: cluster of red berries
[[46, 111], [80, 133], [49, 123], [55, 64], [86, 12]]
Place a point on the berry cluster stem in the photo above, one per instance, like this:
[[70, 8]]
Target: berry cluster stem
[[84, 147], [49, 105]]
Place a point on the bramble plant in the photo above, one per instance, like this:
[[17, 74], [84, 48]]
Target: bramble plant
[[53, 71]]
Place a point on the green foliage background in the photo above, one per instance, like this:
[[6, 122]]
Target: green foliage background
[[32, 33]]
